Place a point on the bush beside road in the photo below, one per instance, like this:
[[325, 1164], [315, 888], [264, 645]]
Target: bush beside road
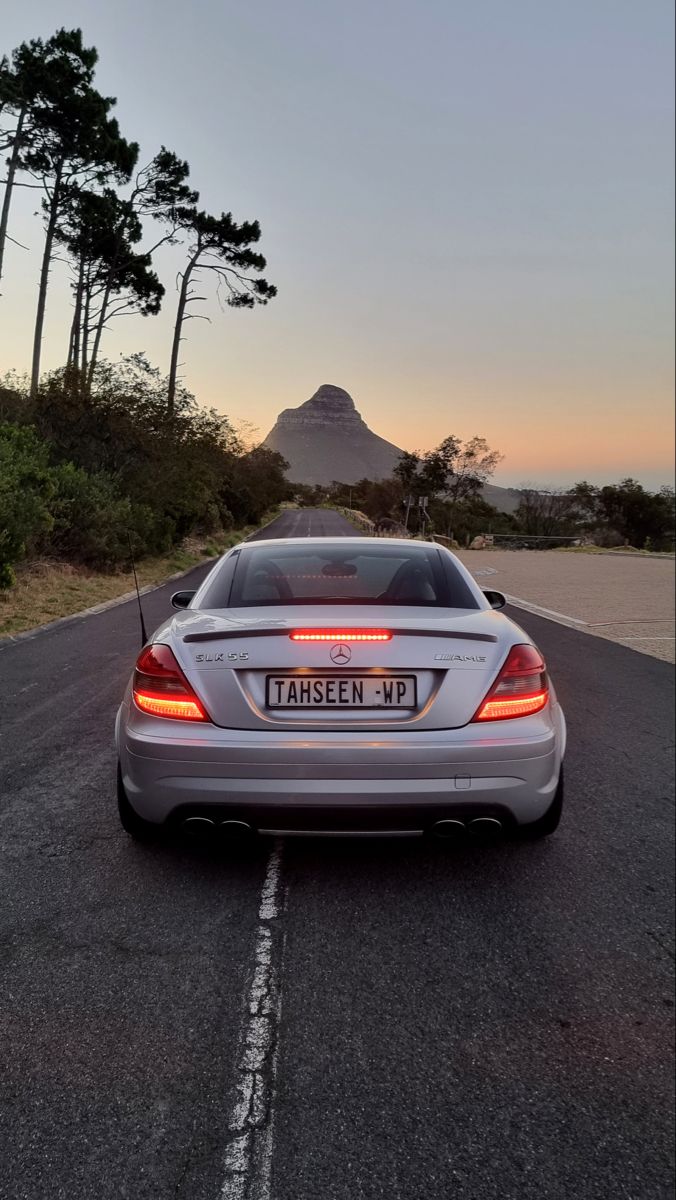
[[47, 590]]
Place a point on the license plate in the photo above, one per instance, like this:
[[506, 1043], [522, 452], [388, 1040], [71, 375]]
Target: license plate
[[344, 691]]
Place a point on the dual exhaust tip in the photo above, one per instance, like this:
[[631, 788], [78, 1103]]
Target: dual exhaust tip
[[478, 827], [200, 826]]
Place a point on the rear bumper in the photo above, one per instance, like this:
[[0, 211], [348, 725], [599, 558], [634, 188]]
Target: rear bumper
[[341, 782]]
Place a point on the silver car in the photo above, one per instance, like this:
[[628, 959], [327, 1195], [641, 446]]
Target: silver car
[[348, 685]]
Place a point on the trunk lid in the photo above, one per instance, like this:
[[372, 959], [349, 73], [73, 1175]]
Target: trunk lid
[[446, 658]]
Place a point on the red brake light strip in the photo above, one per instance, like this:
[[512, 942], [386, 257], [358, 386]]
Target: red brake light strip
[[341, 635], [169, 706], [502, 710]]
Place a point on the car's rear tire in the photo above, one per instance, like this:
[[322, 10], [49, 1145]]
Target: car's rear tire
[[548, 823], [132, 823]]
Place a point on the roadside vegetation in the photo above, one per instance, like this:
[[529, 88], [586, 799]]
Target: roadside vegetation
[[84, 478], [46, 589], [450, 479]]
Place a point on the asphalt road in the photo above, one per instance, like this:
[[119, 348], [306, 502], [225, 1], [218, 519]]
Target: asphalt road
[[474, 1023], [307, 522]]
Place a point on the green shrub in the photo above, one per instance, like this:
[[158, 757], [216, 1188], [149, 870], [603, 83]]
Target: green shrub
[[79, 473], [93, 522], [26, 491]]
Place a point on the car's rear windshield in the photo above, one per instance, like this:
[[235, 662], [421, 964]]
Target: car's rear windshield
[[278, 576]]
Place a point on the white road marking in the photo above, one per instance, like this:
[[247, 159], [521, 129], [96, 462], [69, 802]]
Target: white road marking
[[633, 621], [647, 639], [561, 618], [248, 1154]]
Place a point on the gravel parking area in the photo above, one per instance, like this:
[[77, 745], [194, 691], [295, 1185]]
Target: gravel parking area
[[623, 598]]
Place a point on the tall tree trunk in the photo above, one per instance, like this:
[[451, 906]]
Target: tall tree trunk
[[180, 314], [44, 280], [71, 342], [98, 335], [11, 172], [85, 330], [74, 347]]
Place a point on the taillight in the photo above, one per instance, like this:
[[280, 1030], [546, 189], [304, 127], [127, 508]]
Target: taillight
[[161, 689], [520, 690], [341, 635]]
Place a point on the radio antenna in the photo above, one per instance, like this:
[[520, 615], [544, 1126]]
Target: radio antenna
[[144, 634]]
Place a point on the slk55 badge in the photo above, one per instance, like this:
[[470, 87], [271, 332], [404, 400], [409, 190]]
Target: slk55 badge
[[232, 656]]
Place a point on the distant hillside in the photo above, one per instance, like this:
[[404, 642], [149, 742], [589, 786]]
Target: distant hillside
[[326, 439], [504, 499]]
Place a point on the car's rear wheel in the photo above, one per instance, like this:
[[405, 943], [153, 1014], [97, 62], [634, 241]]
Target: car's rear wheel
[[548, 823], [135, 826]]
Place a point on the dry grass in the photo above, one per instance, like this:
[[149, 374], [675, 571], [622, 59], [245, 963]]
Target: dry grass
[[45, 591]]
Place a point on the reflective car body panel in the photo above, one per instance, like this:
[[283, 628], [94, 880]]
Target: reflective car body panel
[[298, 769]]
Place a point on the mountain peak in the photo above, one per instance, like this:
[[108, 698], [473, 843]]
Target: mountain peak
[[330, 406], [329, 393], [326, 438], [329, 401]]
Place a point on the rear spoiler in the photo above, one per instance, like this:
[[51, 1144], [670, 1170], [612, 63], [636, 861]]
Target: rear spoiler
[[224, 634]]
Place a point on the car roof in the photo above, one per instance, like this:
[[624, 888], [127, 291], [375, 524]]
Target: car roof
[[402, 543]]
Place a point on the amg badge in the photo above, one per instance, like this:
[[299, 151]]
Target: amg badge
[[477, 658]]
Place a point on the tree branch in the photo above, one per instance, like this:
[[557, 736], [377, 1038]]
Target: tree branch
[[36, 186], [20, 244]]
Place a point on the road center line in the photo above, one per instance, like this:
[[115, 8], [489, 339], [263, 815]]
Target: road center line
[[248, 1152]]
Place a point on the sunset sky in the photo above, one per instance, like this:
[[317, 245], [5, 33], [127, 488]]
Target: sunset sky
[[466, 207]]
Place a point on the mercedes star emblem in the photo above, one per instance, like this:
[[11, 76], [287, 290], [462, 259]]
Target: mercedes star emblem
[[341, 654]]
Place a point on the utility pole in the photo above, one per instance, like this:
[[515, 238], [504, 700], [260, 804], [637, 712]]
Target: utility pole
[[422, 504]]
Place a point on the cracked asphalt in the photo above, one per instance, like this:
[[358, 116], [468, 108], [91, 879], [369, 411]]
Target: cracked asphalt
[[474, 1023]]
